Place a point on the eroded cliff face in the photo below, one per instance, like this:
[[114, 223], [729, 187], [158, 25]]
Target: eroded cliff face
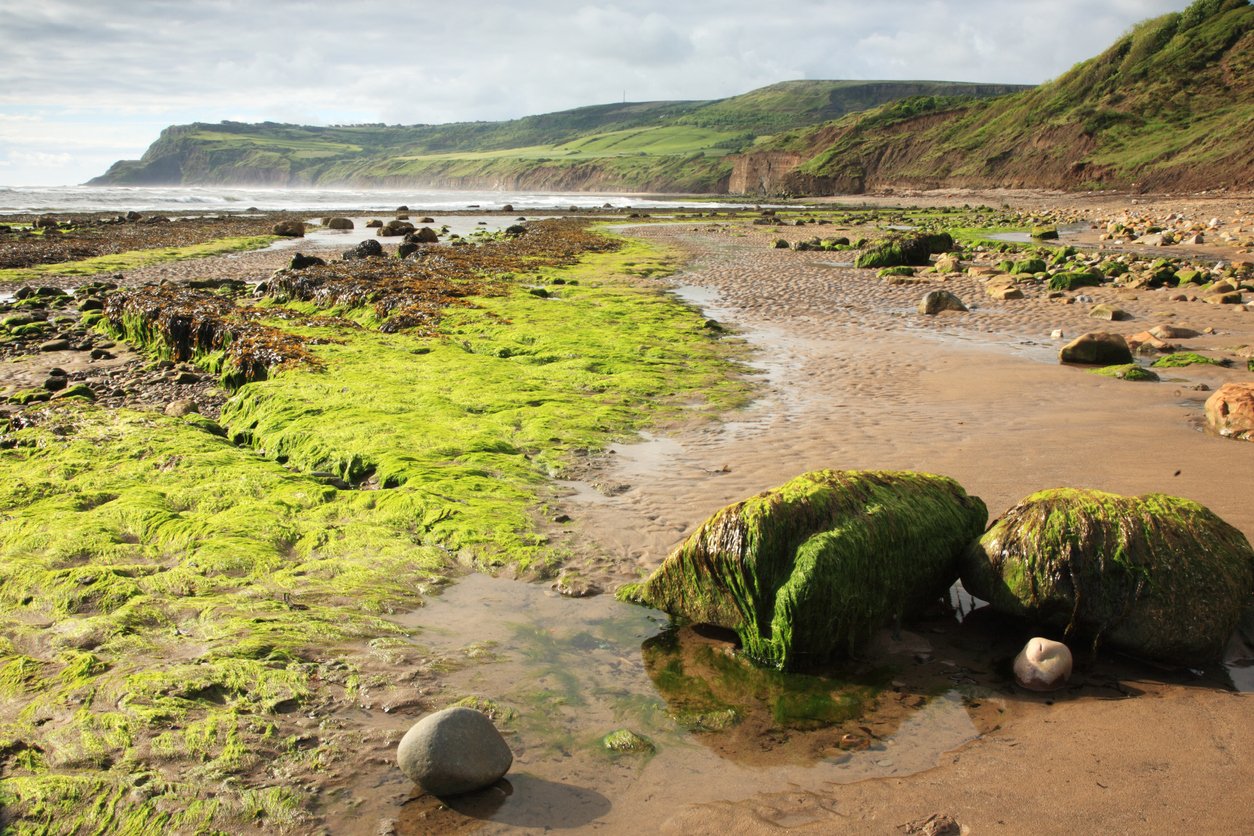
[[762, 173]]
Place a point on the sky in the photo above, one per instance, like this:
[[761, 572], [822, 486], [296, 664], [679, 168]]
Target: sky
[[89, 82]]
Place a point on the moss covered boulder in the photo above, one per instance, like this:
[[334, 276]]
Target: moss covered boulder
[[808, 571], [1155, 575], [899, 250]]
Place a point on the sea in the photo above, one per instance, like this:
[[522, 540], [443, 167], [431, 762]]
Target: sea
[[17, 200]]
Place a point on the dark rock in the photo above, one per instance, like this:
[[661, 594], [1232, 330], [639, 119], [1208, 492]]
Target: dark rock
[[516, 229], [425, 235], [454, 751], [1156, 575], [509, 207], [290, 229], [407, 249], [374, 224], [1096, 349], [55, 383], [55, 345], [339, 223], [370, 248], [133, 216], [394, 228], [427, 221], [300, 261]]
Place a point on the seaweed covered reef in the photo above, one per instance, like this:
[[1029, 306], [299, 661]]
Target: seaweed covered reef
[[189, 607]]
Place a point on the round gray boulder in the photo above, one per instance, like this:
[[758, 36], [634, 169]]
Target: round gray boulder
[[454, 751]]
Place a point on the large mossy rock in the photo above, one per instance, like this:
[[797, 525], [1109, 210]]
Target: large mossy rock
[[1155, 575], [898, 250], [808, 571]]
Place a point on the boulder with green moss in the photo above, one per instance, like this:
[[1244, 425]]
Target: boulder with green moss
[[808, 571], [899, 250], [1155, 575]]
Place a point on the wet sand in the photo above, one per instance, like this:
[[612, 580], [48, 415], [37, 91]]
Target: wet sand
[[854, 378]]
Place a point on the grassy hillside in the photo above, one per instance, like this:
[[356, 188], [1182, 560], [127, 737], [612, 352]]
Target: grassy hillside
[[1169, 105], [661, 146]]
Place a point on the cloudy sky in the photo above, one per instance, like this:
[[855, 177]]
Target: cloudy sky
[[87, 82]]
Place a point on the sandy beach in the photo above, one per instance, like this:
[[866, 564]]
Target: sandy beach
[[855, 378], [847, 375]]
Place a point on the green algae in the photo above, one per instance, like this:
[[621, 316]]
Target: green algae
[[904, 250], [1156, 575], [1127, 371], [1185, 358], [1072, 281], [134, 259], [168, 597], [808, 571], [709, 689], [627, 742]]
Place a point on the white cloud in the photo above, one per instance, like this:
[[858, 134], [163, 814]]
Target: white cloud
[[117, 72]]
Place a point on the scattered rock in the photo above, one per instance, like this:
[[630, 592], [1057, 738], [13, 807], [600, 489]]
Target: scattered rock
[[181, 407], [1172, 332], [394, 228], [301, 261], [425, 235], [290, 229], [454, 751], [55, 345], [374, 224], [1043, 665], [1004, 292], [1230, 411], [340, 223], [1158, 576], [940, 300], [370, 248], [937, 824], [1096, 349], [1109, 313]]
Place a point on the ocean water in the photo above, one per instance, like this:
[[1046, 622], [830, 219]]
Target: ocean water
[[111, 199]]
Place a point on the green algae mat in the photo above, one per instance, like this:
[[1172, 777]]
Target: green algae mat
[[174, 592]]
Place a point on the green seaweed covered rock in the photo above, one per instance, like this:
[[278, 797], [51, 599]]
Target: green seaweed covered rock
[[1155, 575], [808, 571]]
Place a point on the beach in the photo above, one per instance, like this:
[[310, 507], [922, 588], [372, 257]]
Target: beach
[[843, 373]]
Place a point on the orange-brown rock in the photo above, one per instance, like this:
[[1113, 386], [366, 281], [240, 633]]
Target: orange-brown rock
[[1230, 411]]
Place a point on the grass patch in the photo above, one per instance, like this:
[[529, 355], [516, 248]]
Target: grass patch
[[134, 259]]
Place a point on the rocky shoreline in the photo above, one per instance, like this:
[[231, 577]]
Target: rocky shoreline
[[852, 376]]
